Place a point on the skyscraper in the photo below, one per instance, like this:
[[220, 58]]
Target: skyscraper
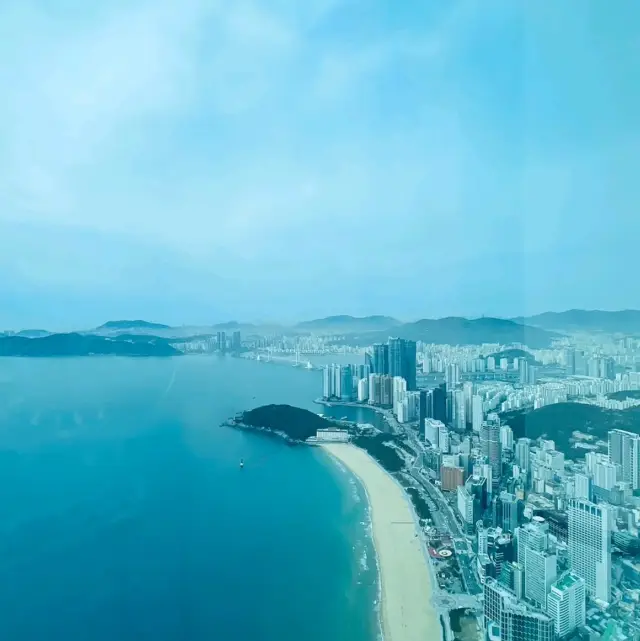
[[423, 411], [346, 384], [222, 341], [522, 453], [236, 341], [410, 364], [566, 604], [396, 357], [624, 450], [381, 358], [327, 382], [540, 566], [440, 403], [509, 511], [490, 445], [590, 528], [459, 417], [476, 413], [403, 360], [506, 438]]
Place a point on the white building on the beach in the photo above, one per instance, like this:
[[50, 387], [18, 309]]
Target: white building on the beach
[[331, 434]]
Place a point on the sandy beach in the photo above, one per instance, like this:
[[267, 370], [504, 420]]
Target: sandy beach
[[407, 613]]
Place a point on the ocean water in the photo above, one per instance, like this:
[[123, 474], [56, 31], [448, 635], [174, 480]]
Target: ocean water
[[124, 513]]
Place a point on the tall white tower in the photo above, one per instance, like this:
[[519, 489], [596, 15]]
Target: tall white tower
[[590, 528]]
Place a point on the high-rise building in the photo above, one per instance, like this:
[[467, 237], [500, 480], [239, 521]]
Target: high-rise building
[[236, 341], [605, 474], [375, 389], [477, 414], [566, 604], [467, 388], [490, 445], [465, 508], [624, 450], [510, 511], [327, 382], [432, 431], [440, 403], [506, 438], [346, 384], [590, 528], [399, 392], [386, 393], [363, 390], [396, 357], [582, 487], [443, 438], [222, 341], [459, 414], [423, 410], [410, 364], [452, 375], [381, 358], [522, 454], [403, 360], [508, 619], [540, 565]]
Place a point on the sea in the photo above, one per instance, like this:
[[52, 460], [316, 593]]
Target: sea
[[124, 513]]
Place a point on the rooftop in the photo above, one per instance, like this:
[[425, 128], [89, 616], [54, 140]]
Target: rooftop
[[567, 581]]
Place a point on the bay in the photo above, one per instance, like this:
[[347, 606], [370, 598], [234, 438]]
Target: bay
[[124, 513]]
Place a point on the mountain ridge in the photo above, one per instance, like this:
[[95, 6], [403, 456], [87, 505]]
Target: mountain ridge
[[621, 321], [75, 344]]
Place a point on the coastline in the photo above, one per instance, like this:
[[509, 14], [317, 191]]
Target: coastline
[[406, 587]]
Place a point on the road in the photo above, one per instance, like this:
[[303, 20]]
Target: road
[[445, 520]]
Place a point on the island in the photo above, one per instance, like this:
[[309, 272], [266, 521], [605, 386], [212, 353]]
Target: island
[[74, 344]]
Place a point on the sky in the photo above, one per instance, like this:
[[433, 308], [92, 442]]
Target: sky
[[196, 161]]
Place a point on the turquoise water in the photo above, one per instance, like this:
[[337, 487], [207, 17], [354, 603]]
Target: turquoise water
[[124, 513]]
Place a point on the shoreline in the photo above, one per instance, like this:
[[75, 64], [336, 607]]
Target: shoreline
[[405, 580]]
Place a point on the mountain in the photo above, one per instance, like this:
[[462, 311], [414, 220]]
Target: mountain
[[348, 324], [511, 354], [626, 321], [132, 324], [560, 420], [84, 345], [461, 331]]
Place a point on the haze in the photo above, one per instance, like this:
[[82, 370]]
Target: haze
[[196, 161]]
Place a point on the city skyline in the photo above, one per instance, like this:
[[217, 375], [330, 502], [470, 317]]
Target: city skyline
[[452, 160]]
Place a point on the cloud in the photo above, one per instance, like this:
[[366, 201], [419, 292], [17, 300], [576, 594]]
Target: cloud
[[276, 143]]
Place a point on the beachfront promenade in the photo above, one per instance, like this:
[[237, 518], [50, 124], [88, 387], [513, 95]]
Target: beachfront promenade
[[406, 578]]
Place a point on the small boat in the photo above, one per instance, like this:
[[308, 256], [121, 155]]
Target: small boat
[[241, 463]]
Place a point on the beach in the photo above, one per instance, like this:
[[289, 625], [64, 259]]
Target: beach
[[406, 610]]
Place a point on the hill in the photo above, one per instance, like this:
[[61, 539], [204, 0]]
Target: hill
[[560, 420], [297, 424], [511, 354], [626, 321], [460, 331], [132, 324], [347, 324], [83, 345]]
